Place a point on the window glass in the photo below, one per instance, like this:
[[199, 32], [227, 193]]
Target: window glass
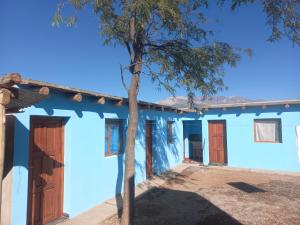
[[267, 130], [170, 131], [113, 136]]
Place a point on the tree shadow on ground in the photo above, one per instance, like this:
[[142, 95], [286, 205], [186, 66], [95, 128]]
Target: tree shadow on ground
[[245, 187], [161, 206]]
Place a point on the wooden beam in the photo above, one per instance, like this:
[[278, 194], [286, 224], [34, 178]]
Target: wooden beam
[[264, 107], [120, 103], [77, 97], [244, 107], [8, 111], [101, 101], [10, 79], [224, 108], [5, 97], [287, 106], [42, 90]]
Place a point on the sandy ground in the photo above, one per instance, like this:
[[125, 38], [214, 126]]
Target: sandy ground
[[212, 196]]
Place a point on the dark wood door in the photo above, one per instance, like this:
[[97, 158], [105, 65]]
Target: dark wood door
[[148, 148], [217, 142], [45, 170]]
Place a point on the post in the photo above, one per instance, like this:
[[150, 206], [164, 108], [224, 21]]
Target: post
[[4, 100]]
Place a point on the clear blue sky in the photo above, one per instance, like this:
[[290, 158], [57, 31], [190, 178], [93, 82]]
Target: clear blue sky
[[75, 57]]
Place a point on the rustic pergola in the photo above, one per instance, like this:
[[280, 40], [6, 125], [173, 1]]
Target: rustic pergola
[[12, 100]]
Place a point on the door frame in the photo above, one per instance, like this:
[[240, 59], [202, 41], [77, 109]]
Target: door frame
[[225, 143], [149, 122], [29, 191]]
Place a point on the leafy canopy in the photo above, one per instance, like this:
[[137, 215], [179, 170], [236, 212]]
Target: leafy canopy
[[169, 36], [283, 16]]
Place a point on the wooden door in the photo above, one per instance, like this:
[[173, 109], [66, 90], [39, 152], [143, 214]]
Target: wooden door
[[217, 142], [148, 148], [45, 193]]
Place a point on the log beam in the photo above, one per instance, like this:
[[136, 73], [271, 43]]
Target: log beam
[[120, 103], [42, 90], [101, 101], [77, 97], [5, 97], [10, 79]]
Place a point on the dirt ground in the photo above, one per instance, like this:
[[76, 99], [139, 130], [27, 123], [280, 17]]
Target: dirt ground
[[214, 196]]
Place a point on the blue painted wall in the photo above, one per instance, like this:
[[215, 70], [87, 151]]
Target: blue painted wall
[[90, 178], [243, 151]]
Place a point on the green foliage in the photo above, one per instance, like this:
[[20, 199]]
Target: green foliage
[[174, 47], [283, 17], [168, 39]]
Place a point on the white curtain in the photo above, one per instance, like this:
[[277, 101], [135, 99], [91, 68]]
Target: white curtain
[[267, 130], [298, 142]]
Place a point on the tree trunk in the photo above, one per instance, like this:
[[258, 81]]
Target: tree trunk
[[129, 184]]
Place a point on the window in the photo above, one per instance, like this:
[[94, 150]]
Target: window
[[113, 137], [267, 130], [170, 132]]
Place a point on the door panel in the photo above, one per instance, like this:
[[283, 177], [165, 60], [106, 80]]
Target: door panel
[[46, 170], [148, 148], [217, 142]]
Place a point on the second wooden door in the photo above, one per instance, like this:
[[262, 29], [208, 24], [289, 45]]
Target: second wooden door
[[149, 128], [217, 142]]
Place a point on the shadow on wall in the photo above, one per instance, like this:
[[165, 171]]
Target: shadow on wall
[[88, 104], [161, 150], [21, 153]]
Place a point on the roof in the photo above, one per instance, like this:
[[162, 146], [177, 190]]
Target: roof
[[264, 104], [99, 97], [39, 90], [18, 98]]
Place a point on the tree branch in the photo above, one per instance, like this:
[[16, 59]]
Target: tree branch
[[122, 78]]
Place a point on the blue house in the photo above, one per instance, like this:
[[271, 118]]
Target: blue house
[[65, 151]]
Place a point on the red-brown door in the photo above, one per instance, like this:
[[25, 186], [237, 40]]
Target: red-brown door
[[148, 148], [217, 142], [45, 193]]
